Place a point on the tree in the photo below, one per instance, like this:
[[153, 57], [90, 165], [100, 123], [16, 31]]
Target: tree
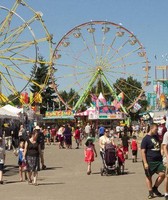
[[48, 94], [70, 97], [127, 87], [14, 100]]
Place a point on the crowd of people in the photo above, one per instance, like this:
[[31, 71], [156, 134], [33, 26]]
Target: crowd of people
[[30, 146]]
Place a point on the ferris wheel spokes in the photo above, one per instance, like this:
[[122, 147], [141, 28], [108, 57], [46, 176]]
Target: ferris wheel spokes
[[104, 50]]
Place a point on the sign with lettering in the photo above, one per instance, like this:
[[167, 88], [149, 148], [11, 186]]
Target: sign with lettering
[[59, 114]]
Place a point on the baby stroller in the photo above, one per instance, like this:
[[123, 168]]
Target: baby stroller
[[110, 161]]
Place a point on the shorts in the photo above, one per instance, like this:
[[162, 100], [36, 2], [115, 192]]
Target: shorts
[[166, 169], [1, 167], [125, 149], [154, 167], [134, 152], [19, 163]]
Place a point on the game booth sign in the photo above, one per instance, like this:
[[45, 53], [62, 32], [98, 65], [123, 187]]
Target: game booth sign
[[61, 114], [94, 114]]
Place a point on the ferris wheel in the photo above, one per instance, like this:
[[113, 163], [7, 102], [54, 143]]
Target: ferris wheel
[[23, 36], [100, 51]]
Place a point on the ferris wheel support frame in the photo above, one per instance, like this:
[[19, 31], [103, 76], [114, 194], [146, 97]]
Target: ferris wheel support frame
[[86, 93], [112, 90], [90, 84]]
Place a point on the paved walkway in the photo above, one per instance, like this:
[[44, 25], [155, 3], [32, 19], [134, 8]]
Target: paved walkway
[[65, 178]]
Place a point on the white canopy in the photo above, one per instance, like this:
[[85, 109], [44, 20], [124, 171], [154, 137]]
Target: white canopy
[[13, 109], [9, 111]]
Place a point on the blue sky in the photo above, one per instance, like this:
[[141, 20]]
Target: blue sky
[[147, 19]]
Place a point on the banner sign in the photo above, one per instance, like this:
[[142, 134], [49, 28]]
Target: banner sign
[[118, 115], [59, 114]]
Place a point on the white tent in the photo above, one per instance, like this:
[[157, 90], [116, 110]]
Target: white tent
[[13, 109], [9, 111]]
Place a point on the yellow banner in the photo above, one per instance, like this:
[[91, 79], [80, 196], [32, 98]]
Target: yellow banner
[[60, 113]]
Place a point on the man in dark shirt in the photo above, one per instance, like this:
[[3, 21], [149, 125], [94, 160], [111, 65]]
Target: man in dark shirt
[[41, 141], [152, 160], [125, 144]]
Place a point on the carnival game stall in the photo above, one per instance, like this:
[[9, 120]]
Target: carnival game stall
[[58, 117], [102, 112]]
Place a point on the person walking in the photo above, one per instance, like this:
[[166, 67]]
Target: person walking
[[152, 160], [2, 159], [134, 148], [87, 130], [89, 152], [21, 162], [162, 129], [8, 136], [77, 137], [32, 153], [101, 131], [125, 143], [53, 134], [21, 132], [61, 137], [41, 141], [68, 137], [105, 139], [165, 161]]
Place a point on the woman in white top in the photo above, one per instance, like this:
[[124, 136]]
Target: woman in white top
[[105, 139], [61, 137]]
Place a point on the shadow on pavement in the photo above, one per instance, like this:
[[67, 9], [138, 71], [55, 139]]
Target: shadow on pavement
[[11, 170], [13, 182], [53, 168], [125, 173], [51, 183], [96, 173]]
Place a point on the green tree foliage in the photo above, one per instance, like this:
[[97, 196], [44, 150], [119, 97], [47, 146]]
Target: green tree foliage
[[130, 88], [70, 97], [38, 75], [14, 100], [48, 94]]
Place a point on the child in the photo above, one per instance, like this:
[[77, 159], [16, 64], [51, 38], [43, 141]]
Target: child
[[89, 153], [2, 159], [134, 147], [125, 144], [48, 136], [121, 159], [21, 162], [77, 137]]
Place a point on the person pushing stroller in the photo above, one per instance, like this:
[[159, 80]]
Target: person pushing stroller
[[105, 139], [108, 154]]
